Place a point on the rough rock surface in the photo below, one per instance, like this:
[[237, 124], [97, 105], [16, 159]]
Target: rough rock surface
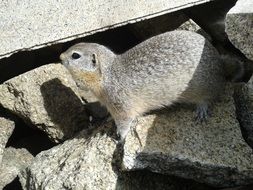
[[14, 160], [239, 26], [59, 21], [244, 108], [172, 143], [91, 163], [46, 97], [6, 128]]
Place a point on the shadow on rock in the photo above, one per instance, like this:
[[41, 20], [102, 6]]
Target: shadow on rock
[[144, 179], [64, 107], [174, 144], [244, 113]]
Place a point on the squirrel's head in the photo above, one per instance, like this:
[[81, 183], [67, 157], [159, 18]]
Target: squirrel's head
[[82, 57], [86, 63]]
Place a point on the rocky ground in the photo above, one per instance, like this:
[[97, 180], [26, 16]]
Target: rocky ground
[[56, 136]]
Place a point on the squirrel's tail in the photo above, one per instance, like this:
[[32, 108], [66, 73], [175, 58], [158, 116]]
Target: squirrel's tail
[[237, 69]]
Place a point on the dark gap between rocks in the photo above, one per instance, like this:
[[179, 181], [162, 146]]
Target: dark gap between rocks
[[210, 17], [14, 185], [22, 62], [118, 39], [26, 137]]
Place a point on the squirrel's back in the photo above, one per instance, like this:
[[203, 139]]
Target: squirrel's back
[[171, 67]]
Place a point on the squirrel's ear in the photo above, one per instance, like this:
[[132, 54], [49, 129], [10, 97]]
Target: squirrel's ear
[[94, 60]]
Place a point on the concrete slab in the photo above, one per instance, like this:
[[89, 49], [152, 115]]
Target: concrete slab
[[28, 25]]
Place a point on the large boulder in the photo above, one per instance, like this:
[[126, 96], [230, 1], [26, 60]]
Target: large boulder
[[46, 97], [59, 21], [172, 143], [93, 163], [239, 26], [14, 160], [79, 163]]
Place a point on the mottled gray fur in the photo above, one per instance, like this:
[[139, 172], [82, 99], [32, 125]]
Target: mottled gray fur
[[177, 66]]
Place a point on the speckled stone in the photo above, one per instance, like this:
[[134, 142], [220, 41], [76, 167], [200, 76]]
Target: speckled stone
[[172, 143], [93, 163], [43, 22], [76, 164], [6, 128], [244, 105], [14, 160], [46, 97], [239, 26]]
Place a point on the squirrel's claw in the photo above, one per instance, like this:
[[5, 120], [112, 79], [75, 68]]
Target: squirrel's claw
[[202, 113]]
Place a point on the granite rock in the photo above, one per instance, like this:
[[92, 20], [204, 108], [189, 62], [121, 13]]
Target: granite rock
[[92, 161], [244, 108], [79, 163], [239, 26], [14, 160], [46, 97], [172, 143], [41, 23], [6, 128]]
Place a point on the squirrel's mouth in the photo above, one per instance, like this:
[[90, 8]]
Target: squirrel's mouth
[[65, 63], [62, 56], [63, 60]]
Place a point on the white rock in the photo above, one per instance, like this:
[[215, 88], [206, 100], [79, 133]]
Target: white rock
[[92, 163], [27, 24], [48, 98]]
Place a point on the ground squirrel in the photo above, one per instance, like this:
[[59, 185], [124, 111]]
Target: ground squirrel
[[177, 66]]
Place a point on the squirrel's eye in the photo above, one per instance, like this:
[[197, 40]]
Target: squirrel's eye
[[75, 55]]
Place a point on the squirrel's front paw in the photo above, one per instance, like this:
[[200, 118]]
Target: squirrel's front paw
[[122, 133], [123, 127]]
